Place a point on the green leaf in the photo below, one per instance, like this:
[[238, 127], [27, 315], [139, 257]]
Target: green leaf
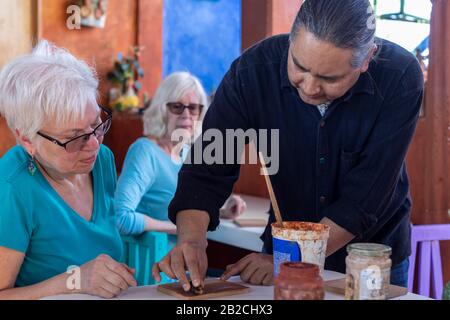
[[118, 106]]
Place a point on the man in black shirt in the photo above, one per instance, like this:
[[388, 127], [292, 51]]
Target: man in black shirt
[[345, 105]]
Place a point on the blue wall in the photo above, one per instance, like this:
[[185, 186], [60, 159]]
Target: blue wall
[[202, 37]]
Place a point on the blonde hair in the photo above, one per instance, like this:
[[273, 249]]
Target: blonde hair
[[171, 89], [49, 84]]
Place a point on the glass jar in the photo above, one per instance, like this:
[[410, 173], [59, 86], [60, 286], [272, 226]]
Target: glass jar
[[298, 281], [368, 271]]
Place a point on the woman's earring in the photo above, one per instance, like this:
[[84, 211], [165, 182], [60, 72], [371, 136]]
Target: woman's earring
[[31, 166]]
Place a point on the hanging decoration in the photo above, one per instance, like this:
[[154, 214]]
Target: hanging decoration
[[93, 13]]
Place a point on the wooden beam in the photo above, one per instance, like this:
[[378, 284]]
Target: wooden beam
[[149, 36], [436, 188], [282, 15], [17, 34], [254, 22], [262, 19]]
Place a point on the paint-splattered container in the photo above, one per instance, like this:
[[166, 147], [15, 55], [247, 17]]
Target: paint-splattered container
[[299, 281], [299, 241]]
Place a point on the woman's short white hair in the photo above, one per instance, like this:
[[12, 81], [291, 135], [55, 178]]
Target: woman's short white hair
[[172, 89], [47, 85]]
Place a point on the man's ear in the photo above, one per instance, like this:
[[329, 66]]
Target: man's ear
[[369, 57], [25, 142]]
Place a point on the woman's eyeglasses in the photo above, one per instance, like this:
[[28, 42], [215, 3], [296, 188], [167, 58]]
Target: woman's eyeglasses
[[178, 108], [77, 143]]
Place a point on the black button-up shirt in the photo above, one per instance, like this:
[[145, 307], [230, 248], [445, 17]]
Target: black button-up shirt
[[348, 166]]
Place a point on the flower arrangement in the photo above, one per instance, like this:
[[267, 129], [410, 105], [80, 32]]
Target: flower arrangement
[[123, 96]]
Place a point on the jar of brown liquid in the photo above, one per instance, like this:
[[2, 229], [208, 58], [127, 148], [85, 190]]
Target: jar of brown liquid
[[368, 271], [298, 281]]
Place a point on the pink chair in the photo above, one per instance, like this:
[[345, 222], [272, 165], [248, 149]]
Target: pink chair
[[425, 244]]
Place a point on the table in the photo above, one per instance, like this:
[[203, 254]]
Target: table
[[243, 237], [256, 293]]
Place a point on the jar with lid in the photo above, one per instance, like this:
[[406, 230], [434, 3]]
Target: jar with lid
[[368, 269], [298, 281]]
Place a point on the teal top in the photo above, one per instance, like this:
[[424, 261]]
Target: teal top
[[35, 220], [146, 186]]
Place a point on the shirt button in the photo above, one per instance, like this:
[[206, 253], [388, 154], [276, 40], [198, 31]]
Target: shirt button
[[322, 199], [322, 123]]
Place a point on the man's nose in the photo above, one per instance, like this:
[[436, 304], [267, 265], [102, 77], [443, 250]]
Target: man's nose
[[310, 86]]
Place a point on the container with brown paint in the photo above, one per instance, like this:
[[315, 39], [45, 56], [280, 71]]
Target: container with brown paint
[[298, 281], [299, 241], [368, 271]]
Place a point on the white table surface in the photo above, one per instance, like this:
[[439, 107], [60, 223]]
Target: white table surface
[[256, 293], [244, 237]]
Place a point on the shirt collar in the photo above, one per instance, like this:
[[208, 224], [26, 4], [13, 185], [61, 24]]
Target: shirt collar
[[365, 84]]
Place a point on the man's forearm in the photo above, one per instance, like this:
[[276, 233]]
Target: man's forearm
[[339, 237], [192, 225]]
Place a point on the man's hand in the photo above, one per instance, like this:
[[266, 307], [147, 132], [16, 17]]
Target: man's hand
[[255, 268], [184, 256], [190, 252]]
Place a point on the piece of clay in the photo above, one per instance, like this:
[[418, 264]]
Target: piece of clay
[[196, 290]]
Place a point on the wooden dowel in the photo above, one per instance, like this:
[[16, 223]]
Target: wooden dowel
[[271, 193]]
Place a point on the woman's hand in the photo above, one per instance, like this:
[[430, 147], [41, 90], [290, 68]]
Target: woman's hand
[[105, 277], [255, 268], [233, 207]]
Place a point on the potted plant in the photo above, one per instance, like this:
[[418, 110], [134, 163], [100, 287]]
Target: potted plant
[[123, 96]]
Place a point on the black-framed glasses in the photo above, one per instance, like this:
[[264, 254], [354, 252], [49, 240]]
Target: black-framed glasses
[[178, 108], [77, 143]]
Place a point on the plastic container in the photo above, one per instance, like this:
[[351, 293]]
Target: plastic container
[[298, 281], [368, 271], [299, 242]]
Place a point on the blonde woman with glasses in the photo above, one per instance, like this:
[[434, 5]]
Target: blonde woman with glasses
[[149, 176]]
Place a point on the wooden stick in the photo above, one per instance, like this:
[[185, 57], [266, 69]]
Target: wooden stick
[[271, 193]]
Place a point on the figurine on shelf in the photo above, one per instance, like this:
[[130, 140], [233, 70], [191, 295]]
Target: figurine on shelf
[[93, 12], [123, 96]]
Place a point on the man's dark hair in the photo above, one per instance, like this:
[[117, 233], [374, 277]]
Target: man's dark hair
[[348, 24]]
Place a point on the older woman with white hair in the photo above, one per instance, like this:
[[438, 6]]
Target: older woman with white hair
[[57, 225], [150, 172]]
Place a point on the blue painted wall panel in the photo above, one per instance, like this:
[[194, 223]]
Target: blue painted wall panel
[[202, 37]]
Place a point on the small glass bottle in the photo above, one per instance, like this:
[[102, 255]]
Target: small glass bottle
[[298, 281], [368, 271]]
